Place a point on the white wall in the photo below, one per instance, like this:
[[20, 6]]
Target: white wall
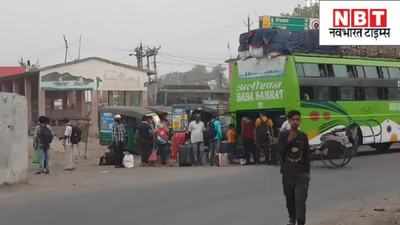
[[115, 78], [13, 139]]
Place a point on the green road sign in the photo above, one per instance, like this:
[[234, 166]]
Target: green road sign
[[288, 23]]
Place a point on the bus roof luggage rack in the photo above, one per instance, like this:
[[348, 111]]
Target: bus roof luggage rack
[[265, 42]]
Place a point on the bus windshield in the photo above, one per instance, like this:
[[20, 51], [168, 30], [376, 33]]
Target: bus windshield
[[262, 67]]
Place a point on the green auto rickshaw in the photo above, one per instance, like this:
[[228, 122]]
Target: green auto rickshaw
[[131, 117]]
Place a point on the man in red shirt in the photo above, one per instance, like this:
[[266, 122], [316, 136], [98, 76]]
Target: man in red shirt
[[162, 142], [248, 137]]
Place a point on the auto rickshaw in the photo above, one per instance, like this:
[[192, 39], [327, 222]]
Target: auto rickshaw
[[131, 117]]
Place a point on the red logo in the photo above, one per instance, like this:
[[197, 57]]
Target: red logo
[[372, 18]]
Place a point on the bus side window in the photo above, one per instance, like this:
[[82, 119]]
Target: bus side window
[[347, 93], [394, 94], [326, 70], [383, 73], [352, 72], [371, 93], [360, 94], [306, 93], [340, 71], [371, 72], [334, 93], [360, 72], [394, 73], [300, 70], [383, 93], [322, 93], [311, 70]]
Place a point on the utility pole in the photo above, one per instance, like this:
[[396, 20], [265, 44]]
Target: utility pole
[[139, 55], [148, 53], [248, 23], [80, 46], [66, 49], [155, 53]]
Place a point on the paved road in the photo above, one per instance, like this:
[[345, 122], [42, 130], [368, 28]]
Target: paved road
[[197, 196]]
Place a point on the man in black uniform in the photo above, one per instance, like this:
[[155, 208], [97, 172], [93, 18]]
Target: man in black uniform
[[295, 169]]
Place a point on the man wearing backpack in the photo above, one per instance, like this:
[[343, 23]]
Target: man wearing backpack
[[76, 136], [42, 140], [264, 137]]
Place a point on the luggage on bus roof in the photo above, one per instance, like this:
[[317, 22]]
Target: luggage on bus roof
[[263, 42]]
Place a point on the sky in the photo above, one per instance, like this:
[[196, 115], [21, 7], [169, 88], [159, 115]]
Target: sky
[[189, 31]]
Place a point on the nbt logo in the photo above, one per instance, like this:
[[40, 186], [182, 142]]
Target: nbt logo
[[359, 18]]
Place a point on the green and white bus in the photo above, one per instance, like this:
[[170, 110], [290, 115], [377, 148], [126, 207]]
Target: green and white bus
[[331, 92]]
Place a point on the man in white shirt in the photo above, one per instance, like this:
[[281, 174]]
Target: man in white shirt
[[285, 126], [68, 150], [196, 129]]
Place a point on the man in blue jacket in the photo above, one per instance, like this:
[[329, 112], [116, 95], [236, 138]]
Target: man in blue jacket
[[216, 134]]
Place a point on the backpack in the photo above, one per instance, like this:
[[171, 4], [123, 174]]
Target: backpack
[[263, 132], [76, 135], [45, 136]]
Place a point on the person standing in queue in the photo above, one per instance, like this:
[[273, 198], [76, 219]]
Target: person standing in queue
[[145, 139], [295, 169], [42, 139], [118, 140], [68, 149], [196, 130], [248, 138], [231, 137], [216, 136], [162, 141], [264, 134]]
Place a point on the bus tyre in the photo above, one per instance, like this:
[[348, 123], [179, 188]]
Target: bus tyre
[[383, 147]]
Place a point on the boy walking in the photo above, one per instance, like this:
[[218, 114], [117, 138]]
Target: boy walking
[[295, 169]]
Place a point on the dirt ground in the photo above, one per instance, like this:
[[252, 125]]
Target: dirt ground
[[385, 211]]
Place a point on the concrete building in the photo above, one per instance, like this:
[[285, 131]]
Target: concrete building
[[18, 81], [76, 89]]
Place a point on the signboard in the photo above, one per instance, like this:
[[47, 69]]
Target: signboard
[[359, 22], [261, 67], [66, 81], [313, 24], [259, 91], [179, 119], [289, 23], [107, 121]]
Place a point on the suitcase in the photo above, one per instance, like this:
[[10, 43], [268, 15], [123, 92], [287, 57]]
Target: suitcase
[[185, 155]]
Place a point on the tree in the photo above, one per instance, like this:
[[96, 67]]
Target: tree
[[198, 75], [305, 11]]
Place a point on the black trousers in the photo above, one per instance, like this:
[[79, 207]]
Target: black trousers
[[145, 151], [295, 188], [250, 149], [118, 154], [264, 148]]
